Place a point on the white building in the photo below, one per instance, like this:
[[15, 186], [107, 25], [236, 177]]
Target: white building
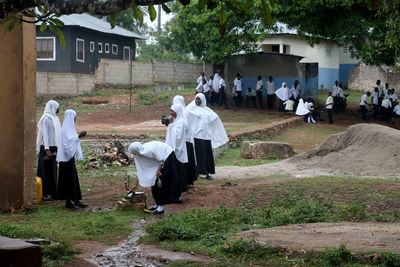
[[334, 62]]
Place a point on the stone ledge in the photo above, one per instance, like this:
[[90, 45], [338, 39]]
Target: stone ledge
[[260, 149], [15, 252]]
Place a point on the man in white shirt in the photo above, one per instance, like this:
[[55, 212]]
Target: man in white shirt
[[335, 89], [363, 103], [201, 77], [380, 90], [375, 102], [392, 95], [206, 91], [221, 92], [396, 110], [212, 93], [200, 86], [270, 86], [237, 90], [386, 109], [329, 106], [259, 89], [251, 95]]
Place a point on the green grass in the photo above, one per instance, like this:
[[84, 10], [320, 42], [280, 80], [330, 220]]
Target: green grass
[[321, 199], [61, 225], [352, 100], [232, 157]]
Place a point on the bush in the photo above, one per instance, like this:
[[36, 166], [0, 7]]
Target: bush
[[337, 256]]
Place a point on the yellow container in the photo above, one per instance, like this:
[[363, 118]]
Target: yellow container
[[39, 189]]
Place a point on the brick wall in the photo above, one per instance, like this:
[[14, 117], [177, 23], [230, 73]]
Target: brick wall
[[154, 73]]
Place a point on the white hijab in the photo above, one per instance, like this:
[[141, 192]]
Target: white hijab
[[205, 123], [148, 158], [179, 100], [50, 111], [283, 92], [175, 136], [69, 145], [216, 81], [301, 108]]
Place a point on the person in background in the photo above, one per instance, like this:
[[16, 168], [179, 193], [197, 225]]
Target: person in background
[[295, 91], [217, 77], [363, 102], [69, 151], [221, 92], [301, 110], [47, 140], [310, 107], [200, 86], [156, 167], [396, 110], [289, 104], [208, 133], [250, 95], [329, 106], [201, 77], [237, 90], [375, 102], [212, 92], [206, 90], [335, 90], [381, 91], [386, 109], [270, 86], [392, 95], [259, 89], [283, 94], [386, 90]]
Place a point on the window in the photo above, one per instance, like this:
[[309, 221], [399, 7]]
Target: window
[[114, 49], [328, 52], [100, 47], [46, 48], [275, 48], [107, 48], [91, 46], [80, 50], [127, 53], [345, 49]]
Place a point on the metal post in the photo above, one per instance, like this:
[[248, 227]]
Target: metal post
[[130, 83]]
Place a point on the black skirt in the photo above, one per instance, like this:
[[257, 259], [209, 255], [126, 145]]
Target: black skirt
[[191, 165], [68, 182], [47, 171], [204, 157], [166, 190], [182, 176]]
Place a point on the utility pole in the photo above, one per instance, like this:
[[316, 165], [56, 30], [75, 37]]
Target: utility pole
[[159, 20]]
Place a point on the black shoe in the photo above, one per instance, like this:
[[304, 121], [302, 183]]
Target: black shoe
[[157, 212], [209, 177], [153, 208], [47, 198], [179, 201], [81, 205], [72, 206]]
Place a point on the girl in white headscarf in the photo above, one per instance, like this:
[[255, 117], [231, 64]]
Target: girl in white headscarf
[[191, 165], [46, 145], [156, 166], [283, 94], [208, 133], [69, 150]]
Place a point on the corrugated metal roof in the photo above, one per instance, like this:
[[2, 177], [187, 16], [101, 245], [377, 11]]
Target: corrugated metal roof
[[93, 23]]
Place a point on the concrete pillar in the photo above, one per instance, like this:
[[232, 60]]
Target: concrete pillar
[[281, 48], [17, 117]]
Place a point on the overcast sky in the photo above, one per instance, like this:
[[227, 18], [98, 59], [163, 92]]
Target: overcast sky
[[164, 18]]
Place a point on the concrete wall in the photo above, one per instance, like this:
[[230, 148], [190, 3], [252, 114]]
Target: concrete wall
[[363, 77], [17, 119], [154, 73], [283, 68]]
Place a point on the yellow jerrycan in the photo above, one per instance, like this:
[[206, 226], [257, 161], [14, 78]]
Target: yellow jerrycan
[[38, 189]]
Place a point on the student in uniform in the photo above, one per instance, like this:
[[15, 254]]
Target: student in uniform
[[200, 86], [301, 110], [259, 89], [157, 167], [200, 78], [283, 94], [250, 95], [237, 90], [396, 110], [295, 91], [208, 133], [289, 104], [270, 86], [47, 139], [212, 93], [375, 102], [206, 90], [335, 90], [363, 102], [381, 91], [191, 165], [221, 92], [69, 151], [329, 106], [386, 109], [176, 138]]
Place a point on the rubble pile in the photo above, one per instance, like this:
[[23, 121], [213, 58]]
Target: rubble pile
[[115, 151]]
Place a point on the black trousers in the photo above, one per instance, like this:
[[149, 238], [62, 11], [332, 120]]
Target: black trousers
[[253, 99], [222, 97], [238, 99], [68, 182], [47, 171], [259, 98], [281, 106], [330, 118], [375, 111], [270, 101], [363, 111]]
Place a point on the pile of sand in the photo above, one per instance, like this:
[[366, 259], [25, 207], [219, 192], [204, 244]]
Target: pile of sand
[[364, 149]]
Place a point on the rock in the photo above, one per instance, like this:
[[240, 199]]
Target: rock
[[260, 149], [15, 252]]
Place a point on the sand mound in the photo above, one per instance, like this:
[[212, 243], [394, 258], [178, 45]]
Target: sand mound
[[364, 149]]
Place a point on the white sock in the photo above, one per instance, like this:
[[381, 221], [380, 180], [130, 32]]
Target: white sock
[[312, 119], [160, 208], [309, 118]]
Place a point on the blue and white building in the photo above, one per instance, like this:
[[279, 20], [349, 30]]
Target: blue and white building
[[334, 62]]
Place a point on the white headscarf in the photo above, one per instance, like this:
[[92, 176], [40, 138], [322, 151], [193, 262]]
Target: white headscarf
[[301, 108], [179, 100], [69, 145], [148, 158], [205, 123], [283, 92], [175, 136], [50, 111]]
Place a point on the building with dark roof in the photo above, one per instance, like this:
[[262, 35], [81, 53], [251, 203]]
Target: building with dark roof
[[88, 39]]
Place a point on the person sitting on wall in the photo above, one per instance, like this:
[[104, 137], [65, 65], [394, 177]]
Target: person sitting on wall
[[251, 95]]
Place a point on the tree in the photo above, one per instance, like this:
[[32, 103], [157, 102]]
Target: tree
[[371, 28], [195, 32]]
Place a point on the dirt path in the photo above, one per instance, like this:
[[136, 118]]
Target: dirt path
[[360, 237]]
